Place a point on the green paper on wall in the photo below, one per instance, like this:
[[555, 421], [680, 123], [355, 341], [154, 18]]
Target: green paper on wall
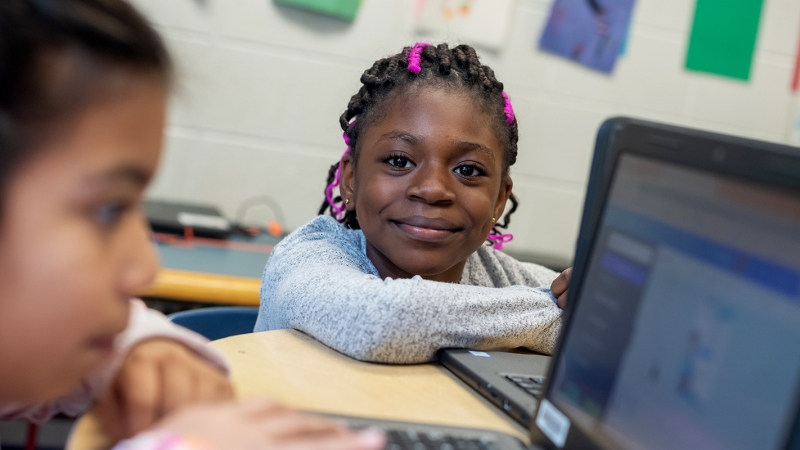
[[724, 37], [343, 9]]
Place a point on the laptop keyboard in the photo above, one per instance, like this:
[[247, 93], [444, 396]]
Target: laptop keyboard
[[531, 385], [411, 440]]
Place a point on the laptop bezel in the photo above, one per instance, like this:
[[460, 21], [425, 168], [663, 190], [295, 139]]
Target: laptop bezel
[[774, 165]]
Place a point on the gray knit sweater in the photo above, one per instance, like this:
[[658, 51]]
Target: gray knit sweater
[[320, 281]]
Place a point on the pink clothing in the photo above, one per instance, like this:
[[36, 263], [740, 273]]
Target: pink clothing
[[144, 324], [161, 440]]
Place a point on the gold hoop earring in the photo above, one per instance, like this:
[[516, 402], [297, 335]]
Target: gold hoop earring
[[494, 220], [346, 201]]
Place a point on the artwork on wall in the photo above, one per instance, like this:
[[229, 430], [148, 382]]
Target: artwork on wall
[[589, 32], [723, 37], [483, 23], [623, 49], [342, 9]]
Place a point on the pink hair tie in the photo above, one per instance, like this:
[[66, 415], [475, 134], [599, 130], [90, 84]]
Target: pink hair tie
[[508, 109], [415, 57], [338, 209], [500, 239]]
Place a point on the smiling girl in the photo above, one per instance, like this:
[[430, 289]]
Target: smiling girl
[[83, 91], [399, 268]]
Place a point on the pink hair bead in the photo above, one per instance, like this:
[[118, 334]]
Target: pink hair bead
[[500, 239], [415, 57], [508, 109], [338, 209]]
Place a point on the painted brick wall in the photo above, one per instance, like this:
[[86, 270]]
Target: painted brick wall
[[261, 88]]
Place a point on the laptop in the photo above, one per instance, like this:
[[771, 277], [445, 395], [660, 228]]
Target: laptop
[[682, 328], [514, 381]]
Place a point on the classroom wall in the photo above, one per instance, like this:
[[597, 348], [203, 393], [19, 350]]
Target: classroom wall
[[261, 88]]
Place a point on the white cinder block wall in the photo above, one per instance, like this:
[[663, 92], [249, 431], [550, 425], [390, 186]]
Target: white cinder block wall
[[261, 88]]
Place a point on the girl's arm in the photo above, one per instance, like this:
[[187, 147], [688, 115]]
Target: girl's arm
[[316, 284], [144, 325]]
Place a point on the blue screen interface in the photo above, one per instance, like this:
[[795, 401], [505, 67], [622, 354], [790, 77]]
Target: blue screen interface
[[686, 333]]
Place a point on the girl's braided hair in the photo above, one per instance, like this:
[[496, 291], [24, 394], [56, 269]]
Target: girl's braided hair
[[424, 65]]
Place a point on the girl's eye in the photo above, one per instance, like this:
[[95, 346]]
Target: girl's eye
[[108, 214], [468, 170], [401, 162]]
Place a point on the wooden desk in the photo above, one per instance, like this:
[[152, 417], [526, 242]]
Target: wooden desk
[[299, 371], [204, 287]]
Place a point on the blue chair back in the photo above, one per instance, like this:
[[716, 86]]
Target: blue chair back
[[218, 322]]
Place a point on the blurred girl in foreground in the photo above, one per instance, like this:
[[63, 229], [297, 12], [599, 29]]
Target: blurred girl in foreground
[[83, 88]]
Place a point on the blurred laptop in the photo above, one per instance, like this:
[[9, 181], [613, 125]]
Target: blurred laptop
[[682, 329]]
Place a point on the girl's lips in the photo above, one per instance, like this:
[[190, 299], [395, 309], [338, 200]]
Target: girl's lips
[[104, 344], [421, 233]]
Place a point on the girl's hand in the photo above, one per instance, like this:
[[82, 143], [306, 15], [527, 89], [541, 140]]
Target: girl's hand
[[157, 377], [262, 424], [560, 287]]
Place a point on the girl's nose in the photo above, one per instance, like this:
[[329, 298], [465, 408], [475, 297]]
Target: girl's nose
[[140, 263], [431, 184]]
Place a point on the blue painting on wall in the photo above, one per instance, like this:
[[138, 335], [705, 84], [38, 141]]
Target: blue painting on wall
[[589, 32]]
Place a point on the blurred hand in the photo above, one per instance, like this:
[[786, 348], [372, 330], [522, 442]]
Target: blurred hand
[[560, 287], [157, 377], [262, 424]]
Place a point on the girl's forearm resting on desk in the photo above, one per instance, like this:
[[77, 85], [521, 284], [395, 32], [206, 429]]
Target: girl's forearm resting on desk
[[320, 281]]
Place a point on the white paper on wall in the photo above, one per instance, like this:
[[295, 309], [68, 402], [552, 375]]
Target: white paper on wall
[[483, 23]]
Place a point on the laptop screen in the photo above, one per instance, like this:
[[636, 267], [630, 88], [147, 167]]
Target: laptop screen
[[687, 331]]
